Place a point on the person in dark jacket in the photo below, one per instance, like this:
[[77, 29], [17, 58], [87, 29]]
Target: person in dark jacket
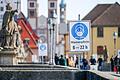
[[76, 62], [92, 63], [100, 63], [112, 63], [56, 59], [62, 61], [92, 60]]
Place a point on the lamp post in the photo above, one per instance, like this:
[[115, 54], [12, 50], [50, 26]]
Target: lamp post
[[114, 37], [52, 40]]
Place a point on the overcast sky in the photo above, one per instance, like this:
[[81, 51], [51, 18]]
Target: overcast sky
[[74, 7]]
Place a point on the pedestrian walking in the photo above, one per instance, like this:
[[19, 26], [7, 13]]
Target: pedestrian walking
[[112, 63], [56, 59], [62, 61], [115, 64], [76, 62], [105, 54], [100, 63], [85, 64], [92, 63]]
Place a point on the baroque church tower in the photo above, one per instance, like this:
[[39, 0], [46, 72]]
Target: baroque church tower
[[52, 7], [32, 13], [62, 11]]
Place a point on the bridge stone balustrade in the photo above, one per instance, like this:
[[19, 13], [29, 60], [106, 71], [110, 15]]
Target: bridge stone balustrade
[[49, 72]]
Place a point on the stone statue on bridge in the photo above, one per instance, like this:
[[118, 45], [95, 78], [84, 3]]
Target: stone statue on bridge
[[9, 34], [11, 46]]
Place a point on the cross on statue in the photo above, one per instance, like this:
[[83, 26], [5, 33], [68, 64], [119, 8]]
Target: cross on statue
[[17, 3]]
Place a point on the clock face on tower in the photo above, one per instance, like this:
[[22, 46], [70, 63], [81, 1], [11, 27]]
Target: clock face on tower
[[43, 38]]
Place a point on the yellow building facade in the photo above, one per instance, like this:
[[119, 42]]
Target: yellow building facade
[[107, 39]]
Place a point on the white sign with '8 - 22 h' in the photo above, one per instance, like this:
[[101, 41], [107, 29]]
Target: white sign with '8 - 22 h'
[[79, 36]]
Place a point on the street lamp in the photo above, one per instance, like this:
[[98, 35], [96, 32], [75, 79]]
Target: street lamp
[[114, 37], [52, 31], [50, 40]]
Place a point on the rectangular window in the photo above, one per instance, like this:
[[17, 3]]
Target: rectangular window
[[118, 31], [31, 4], [100, 31], [52, 4], [99, 50], [1, 9], [32, 13]]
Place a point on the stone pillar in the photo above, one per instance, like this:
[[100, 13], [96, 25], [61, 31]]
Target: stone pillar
[[8, 57]]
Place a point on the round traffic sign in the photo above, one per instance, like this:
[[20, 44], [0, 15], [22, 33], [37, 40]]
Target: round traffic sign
[[42, 47], [79, 31]]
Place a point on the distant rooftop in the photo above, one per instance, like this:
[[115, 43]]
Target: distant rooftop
[[104, 14]]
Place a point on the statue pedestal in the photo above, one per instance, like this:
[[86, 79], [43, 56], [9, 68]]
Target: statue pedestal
[[8, 57]]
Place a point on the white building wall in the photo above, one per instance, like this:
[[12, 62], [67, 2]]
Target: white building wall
[[42, 22], [32, 22]]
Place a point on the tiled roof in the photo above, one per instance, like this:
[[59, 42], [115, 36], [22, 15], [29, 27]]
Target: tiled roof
[[105, 14], [110, 16], [21, 16], [26, 33], [98, 10]]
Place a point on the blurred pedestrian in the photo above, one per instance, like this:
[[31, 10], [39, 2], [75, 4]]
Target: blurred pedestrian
[[100, 63], [105, 54], [56, 59], [76, 62], [66, 61], [71, 62], [62, 61], [92, 63], [112, 63], [85, 64], [115, 64]]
